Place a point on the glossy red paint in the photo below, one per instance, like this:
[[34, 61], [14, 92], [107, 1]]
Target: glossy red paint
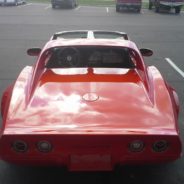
[[65, 107], [51, 105]]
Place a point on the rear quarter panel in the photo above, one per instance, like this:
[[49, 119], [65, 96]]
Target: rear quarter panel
[[15, 94], [163, 96]]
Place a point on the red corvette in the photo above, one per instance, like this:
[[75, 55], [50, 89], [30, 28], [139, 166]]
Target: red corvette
[[89, 103]]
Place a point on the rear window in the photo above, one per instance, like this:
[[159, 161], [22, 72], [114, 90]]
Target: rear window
[[73, 35], [90, 56], [109, 35]]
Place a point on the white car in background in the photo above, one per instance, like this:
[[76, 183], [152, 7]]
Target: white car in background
[[12, 2]]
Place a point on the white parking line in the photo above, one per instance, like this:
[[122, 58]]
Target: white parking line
[[46, 8], [107, 9], [175, 67]]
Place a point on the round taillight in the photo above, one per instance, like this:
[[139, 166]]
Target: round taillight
[[160, 146], [136, 146], [44, 146], [20, 146]]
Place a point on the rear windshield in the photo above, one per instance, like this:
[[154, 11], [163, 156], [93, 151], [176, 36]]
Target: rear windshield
[[90, 56], [73, 35]]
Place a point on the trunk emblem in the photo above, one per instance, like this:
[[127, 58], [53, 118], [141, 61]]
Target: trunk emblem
[[90, 97]]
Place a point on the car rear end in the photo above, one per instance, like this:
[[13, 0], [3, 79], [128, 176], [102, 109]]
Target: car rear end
[[172, 3], [177, 4], [63, 3], [89, 151], [83, 126], [96, 117], [167, 5], [9, 2], [128, 4], [12, 2], [2, 2]]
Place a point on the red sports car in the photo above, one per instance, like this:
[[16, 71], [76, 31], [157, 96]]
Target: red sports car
[[89, 103]]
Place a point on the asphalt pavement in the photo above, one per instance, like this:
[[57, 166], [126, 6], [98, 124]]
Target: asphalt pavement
[[31, 25]]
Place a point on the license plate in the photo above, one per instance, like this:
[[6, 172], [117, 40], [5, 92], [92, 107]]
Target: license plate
[[90, 162]]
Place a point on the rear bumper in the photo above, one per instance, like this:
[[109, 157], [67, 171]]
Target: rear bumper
[[88, 162], [89, 153], [129, 5], [61, 3], [7, 3], [171, 4], [11, 3]]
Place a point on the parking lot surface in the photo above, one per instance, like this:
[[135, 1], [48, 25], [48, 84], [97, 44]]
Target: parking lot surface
[[32, 24]]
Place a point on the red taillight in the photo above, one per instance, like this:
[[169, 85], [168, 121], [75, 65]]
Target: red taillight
[[136, 146], [44, 146], [20, 146]]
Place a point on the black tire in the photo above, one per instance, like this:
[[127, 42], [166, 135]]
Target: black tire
[[150, 5], [177, 10], [117, 8], [138, 10], [157, 8], [76, 3], [16, 3], [73, 4]]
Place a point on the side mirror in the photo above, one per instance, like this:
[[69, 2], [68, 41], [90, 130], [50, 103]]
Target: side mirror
[[33, 51], [146, 52]]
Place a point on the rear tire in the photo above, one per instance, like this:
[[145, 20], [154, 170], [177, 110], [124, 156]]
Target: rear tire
[[16, 3], [157, 8], [76, 3], [177, 10], [138, 10], [72, 5], [117, 8]]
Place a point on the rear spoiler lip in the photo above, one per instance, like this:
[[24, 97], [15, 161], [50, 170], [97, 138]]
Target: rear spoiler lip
[[90, 33]]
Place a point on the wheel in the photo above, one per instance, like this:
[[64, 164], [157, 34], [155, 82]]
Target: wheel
[[76, 4], [177, 9], [117, 8], [157, 8], [16, 3], [138, 9], [72, 5], [150, 5]]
